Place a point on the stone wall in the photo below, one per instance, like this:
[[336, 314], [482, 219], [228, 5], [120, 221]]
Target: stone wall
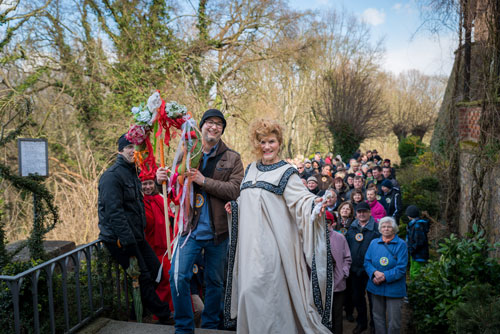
[[469, 131]]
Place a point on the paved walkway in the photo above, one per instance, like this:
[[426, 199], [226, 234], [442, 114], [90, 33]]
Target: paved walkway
[[108, 326]]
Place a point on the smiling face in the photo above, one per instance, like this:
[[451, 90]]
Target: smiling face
[[345, 211], [211, 130], [357, 197], [311, 185], [270, 148], [128, 153], [339, 184], [363, 216], [148, 187], [332, 200]]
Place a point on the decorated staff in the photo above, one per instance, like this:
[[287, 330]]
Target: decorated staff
[[160, 118]]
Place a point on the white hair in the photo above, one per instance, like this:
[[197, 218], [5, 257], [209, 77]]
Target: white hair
[[389, 220]]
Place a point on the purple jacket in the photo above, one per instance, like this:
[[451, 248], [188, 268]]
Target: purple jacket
[[342, 256]]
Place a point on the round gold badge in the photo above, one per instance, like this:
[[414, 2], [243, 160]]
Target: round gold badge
[[199, 201], [359, 237]]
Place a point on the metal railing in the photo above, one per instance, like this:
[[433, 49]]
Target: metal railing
[[92, 286]]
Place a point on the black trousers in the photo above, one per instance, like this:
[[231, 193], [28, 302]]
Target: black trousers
[[149, 266], [338, 303], [359, 283], [348, 306]]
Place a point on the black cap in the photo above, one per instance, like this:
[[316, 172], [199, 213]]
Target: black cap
[[413, 211], [363, 206], [213, 113], [122, 142]]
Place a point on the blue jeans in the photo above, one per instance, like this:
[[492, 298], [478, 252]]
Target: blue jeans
[[215, 257]]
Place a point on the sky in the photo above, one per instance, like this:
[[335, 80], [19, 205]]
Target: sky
[[398, 22]]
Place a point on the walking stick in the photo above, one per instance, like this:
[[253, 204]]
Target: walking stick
[[165, 202]]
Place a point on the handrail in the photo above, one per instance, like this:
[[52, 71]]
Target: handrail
[[119, 284]]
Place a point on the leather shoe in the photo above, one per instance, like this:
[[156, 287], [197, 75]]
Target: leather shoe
[[359, 329]]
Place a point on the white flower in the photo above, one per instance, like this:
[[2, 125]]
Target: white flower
[[136, 110], [154, 102], [143, 116], [175, 110]]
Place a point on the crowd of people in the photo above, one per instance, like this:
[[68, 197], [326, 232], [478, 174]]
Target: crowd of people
[[280, 247]]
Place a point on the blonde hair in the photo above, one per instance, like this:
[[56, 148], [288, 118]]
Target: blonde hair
[[262, 128]]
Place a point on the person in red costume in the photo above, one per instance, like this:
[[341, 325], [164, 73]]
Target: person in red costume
[[155, 232]]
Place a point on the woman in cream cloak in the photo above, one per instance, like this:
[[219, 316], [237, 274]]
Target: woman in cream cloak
[[280, 271]]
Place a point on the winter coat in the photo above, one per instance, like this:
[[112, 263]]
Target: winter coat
[[418, 244], [392, 203], [342, 256], [391, 259], [359, 246], [223, 175], [324, 181], [377, 210], [120, 205]]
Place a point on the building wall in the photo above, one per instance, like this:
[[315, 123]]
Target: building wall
[[469, 131]]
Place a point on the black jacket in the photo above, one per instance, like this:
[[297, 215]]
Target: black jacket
[[359, 248], [392, 203], [120, 204]]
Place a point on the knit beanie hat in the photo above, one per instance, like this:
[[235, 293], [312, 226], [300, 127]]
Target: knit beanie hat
[[213, 113], [413, 211], [122, 142], [387, 183], [312, 178]]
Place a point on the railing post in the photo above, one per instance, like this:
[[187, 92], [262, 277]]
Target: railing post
[[34, 291], [76, 260], [64, 270], [88, 258], [50, 273], [15, 287]]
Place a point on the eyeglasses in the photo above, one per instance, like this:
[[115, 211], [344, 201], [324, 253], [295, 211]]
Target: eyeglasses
[[212, 123]]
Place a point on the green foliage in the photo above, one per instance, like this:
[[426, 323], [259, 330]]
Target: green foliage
[[441, 287], [420, 186], [409, 149], [345, 142], [480, 311]]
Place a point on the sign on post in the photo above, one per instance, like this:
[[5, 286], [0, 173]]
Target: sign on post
[[33, 157]]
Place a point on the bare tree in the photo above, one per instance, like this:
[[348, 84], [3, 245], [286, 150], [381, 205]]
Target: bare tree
[[349, 105], [413, 100]]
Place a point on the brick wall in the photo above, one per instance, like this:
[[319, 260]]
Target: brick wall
[[468, 123]]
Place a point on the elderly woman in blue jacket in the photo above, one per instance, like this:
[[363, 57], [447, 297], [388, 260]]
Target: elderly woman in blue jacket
[[385, 264]]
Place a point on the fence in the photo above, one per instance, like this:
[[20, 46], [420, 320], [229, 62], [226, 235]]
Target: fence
[[82, 284]]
